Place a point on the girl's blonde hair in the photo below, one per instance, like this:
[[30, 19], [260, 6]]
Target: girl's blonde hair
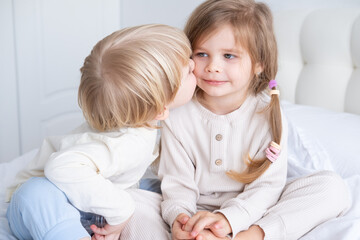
[[131, 75], [252, 23]]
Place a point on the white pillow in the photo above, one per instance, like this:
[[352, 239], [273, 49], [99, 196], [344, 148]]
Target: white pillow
[[322, 139]]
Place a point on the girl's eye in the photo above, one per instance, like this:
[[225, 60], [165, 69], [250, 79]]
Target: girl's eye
[[201, 54], [228, 56]]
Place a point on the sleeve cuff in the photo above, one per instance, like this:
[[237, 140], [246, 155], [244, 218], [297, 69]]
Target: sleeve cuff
[[273, 227], [123, 215], [170, 216], [238, 219]]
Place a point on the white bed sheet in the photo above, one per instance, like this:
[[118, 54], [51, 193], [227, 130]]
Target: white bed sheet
[[321, 139], [8, 171], [318, 139]]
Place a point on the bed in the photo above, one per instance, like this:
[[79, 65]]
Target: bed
[[319, 80]]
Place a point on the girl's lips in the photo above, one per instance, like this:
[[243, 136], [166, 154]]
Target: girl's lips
[[214, 82]]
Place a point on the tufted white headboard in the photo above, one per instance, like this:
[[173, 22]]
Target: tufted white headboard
[[319, 57]]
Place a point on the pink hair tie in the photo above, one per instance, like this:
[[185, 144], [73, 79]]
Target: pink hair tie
[[272, 83], [273, 151]]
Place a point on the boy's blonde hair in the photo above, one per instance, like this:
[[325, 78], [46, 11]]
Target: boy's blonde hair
[[131, 75], [252, 23]]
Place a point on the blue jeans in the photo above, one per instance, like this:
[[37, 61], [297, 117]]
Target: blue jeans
[[150, 184], [39, 210]]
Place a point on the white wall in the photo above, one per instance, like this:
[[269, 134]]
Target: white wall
[[43, 44], [9, 115], [171, 12], [276, 5]]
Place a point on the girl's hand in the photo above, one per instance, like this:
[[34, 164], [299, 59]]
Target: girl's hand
[[178, 232], [209, 235], [108, 232], [215, 222]]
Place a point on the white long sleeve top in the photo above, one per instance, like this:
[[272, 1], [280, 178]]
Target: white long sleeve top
[[198, 147], [95, 168]]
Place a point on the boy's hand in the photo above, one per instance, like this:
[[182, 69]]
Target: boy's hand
[[178, 232], [215, 222], [108, 232]]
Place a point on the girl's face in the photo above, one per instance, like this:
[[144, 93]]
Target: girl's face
[[223, 69]]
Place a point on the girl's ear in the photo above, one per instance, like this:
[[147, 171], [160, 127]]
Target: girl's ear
[[258, 68], [164, 115]]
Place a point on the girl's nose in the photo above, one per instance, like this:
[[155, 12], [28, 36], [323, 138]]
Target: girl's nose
[[213, 67]]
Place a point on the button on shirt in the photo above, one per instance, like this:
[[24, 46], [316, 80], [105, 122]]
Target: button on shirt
[[218, 162], [219, 145]]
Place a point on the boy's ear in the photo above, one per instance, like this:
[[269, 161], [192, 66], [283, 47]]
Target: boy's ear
[[164, 115]]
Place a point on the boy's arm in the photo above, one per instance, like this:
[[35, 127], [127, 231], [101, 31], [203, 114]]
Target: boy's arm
[[87, 173], [176, 170], [77, 175]]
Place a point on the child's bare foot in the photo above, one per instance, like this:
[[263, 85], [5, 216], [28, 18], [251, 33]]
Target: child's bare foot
[[253, 233]]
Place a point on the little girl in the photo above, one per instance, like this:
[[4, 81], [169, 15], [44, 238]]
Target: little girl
[[129, 81], [224, 154]]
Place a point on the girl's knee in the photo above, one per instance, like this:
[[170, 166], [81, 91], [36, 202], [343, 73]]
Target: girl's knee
[[334, 188], [331, 182]]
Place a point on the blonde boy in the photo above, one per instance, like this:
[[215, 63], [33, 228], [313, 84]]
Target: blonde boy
[[129, 81]]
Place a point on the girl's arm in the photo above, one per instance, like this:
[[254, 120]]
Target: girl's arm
[[180, 192]]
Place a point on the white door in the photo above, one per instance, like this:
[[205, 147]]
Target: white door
[[52, 38]]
